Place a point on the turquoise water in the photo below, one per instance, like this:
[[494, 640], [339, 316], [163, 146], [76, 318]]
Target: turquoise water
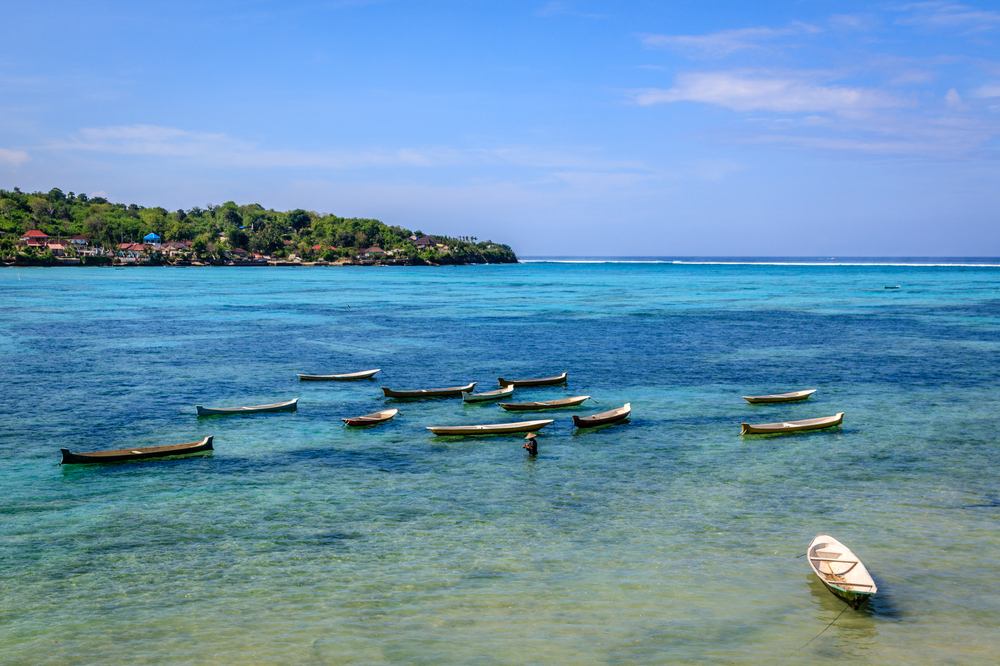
[[667, 540]]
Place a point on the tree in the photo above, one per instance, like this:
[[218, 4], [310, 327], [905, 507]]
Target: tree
[[38, 206], [299, 219], [7, 207]]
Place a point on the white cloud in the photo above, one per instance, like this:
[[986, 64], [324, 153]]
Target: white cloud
[[12, 157], [987, 91], [206, 149], [953, 99], [948, 15], [749, 92], [223, 150], [721, 44]]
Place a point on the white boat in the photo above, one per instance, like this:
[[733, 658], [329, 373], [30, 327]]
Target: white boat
[[349, 377], [795, 396], [491, 429], [840, 570], [488, 396], [371, 419], [792, 426], [290, 406], [543, 405]]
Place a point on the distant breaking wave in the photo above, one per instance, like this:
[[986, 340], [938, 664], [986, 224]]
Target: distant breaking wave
[[967, 262]]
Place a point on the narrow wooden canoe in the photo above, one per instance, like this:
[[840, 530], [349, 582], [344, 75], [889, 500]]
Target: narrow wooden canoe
[[604, 418], [793, 426], [779, 397], [544, 381], [349, 377], [543, 405], [840, 570], [488, 396], [372, 419], [290, 406], [145, 453], [452, 392], [491, 429]]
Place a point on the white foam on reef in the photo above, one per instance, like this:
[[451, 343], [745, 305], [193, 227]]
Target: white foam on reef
[[762, 262]]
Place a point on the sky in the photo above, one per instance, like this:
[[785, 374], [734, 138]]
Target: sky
[[570, 127]]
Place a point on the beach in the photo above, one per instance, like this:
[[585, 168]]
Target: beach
[[668, 539]]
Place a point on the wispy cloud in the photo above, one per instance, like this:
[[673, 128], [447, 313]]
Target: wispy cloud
[[948, 15], [12, 157], [987, 91], [725, 42], [222, 150], [742, 91], [556, 8]]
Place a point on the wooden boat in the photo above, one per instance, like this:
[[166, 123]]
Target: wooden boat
[[793, 426], [491, 429], [146, 453], [896, 287], [542, 405], [488, 396], [452, 392], [840, 570], [544, 381], [349, 377], [779, 397], [604, 418], [290, 406], [372, 419]]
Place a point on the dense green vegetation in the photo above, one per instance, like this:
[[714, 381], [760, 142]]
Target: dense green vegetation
[[216, 230]]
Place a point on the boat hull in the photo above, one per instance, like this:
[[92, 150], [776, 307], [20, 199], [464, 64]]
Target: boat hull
[[289, 406], [604, 418], [544, 381], [544, 405], [126, 455], [792, 426], [797, 396], [424, 394], [855, 585], [490, 429], [371, 419], [350, 377], [488, 396]]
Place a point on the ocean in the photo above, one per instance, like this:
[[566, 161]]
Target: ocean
[[669, 539]]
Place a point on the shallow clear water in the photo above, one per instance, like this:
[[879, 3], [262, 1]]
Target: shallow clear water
[[667, 540]]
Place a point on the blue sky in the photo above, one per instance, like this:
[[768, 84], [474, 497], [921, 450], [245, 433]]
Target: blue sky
[[568, 128]]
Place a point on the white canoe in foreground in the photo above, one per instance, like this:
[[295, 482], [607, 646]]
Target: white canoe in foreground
[[491, 429], [792, 426], [488, 396], [840, 570], [290, 406], [349, 377]]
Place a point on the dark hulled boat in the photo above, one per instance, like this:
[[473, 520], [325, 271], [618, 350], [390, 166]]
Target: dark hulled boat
[[144, 453], [543, 381], [604, 418]]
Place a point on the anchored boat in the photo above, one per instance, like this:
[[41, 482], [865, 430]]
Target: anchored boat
[[604, 418], [793, 426], [372, 419], [779, 397], [144, 453], [452, 392], [543, 405], [840, 570], [488, 396], [543, 381], [349, 377], [491, 429], [290, 406]]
